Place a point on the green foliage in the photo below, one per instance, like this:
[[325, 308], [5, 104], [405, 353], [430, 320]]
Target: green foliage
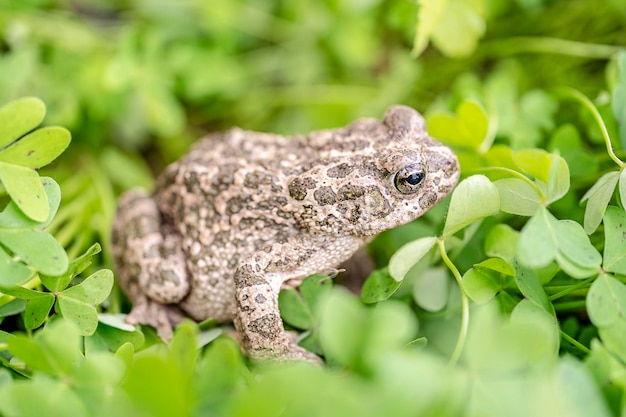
[[23, 149], [26, 247], [545, 239], [76, 303], [299, 308], [33, 247], [454, 26], [615, 241], [463, 209], [27, 250], [466, 129], [506, 300]]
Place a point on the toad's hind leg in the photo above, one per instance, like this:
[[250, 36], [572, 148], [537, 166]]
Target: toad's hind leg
[[150, 263]]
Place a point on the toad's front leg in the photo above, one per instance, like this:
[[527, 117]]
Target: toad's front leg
[[258, 281]]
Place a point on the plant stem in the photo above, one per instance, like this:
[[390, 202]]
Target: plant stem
[[570, 305], [570, 288], [575, 343], [515, 174], [546, 45], [584, 100], [460, 343]]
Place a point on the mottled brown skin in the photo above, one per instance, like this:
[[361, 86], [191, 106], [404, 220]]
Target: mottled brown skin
[[245, 214]]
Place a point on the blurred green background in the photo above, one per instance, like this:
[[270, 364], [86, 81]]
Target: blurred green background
[[137, 81]]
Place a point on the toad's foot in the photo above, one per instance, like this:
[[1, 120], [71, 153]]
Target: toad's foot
[[258, 280], [162, 317], [291, 353]]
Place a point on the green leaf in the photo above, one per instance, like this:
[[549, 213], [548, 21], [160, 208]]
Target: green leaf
[[535, 162], [342, 319], [454, 26], [622, 187], [12, 216], [82, 314], [531, 288], [430, 289], [220, 373], [599, 196], [501, 242], [558, 181], [606, 301], [41, 396], [581, 395], [517, 196], [93, 290], [428, 18], [77, 303], [78, 265], [614, 338], [575, 245], [13, 272], [379, 286], [473, 122], [537, 245], [485, 279], [481, 285], [314, 287], [473, 199], [37, 310], [13, 307], [38, 249], [573, 269], [444, 126], [615, 240], [54, 350], [467, 130], [144, 383], [20, 117], [390, 326], [549, 170], [117, 321], [566, 140], [26, 190], [298, 306], [509, 346], [38, 148], [38, 305], [126, 353], [527, 310], [97, 381], [408, 256], [113, 337], [544, 238], [62, 344], [183, 348], [81, 263], [604, 365], [294, 309], [209, 335], [498, 265], [31, 353]]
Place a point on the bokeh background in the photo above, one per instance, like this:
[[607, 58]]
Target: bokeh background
[[137, 81]]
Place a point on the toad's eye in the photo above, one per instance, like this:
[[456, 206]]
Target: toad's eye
[[408, 179]]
